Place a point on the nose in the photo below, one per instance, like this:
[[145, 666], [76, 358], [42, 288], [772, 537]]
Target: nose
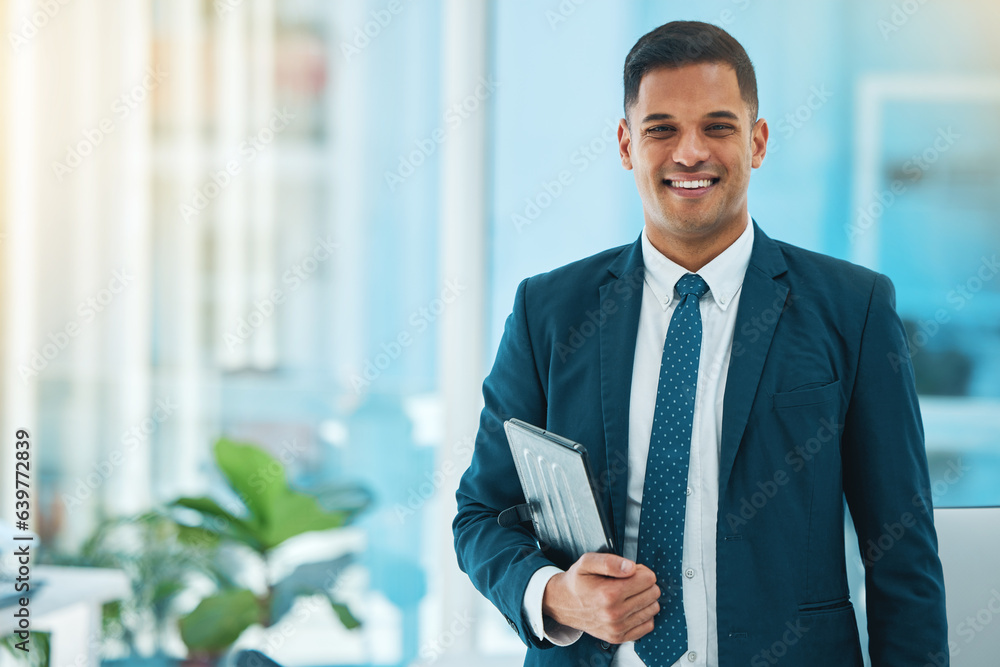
[[691, 149]]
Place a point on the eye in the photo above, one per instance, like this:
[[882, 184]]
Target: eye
[[720, 129], [659, 129]]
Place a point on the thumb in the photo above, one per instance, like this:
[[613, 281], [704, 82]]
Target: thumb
[[607, 565]]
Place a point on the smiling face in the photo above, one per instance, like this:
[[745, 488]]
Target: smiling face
[[691, 143]]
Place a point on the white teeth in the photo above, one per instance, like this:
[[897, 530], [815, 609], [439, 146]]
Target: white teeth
[[691, 185]]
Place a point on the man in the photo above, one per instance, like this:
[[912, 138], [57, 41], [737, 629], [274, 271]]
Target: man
[[731, 391]]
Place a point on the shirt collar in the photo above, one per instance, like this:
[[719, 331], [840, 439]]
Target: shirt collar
[[724, 274]]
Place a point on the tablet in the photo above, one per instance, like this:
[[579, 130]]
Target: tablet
[[560, 493]]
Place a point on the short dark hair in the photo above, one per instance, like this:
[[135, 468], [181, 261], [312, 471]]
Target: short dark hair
[[680, 43]]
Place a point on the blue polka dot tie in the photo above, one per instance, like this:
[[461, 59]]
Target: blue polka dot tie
[[664, 494]]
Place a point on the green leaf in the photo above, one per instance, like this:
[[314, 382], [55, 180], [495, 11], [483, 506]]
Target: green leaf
[[349, 498], [344, 614], [207, 506], [225, 524], [198, 537], [296, 513], [276, 512], [219, 620], [165, 590], [306, 579], [257, 477]]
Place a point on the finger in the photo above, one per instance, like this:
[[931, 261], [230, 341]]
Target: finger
[[643, 599], [606, 565], [638, 583], [639, 631], [644, 614]]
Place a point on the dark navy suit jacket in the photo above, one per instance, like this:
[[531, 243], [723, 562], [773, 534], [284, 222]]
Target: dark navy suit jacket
[[820, 405]]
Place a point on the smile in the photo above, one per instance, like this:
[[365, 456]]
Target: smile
[[693, 185]]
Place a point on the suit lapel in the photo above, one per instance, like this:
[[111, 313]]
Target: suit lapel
[[761, 304], [618, 335]]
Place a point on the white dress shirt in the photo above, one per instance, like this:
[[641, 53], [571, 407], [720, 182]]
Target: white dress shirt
[[724, 276]]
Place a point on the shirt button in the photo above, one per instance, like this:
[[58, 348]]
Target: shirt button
[[688, 492], [605, 645], [689, 573], [692, 656]]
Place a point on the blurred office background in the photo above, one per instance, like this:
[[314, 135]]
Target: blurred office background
[[300, 223]]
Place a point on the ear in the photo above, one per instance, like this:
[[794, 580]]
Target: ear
[[758, 142], [624, 144]]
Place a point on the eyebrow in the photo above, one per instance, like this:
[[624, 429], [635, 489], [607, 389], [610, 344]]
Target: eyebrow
[[711, 114]]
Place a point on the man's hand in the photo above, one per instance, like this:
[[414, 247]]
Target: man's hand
[[606, 596]]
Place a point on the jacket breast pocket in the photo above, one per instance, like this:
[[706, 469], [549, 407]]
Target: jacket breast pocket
[[828, 607], [810, 396]]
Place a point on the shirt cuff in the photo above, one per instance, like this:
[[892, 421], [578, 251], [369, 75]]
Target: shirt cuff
[[542, 626]]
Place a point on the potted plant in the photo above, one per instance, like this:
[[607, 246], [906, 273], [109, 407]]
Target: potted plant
[[269, 513]]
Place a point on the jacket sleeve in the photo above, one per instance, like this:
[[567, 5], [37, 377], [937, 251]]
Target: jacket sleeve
[[887, 489], [500, 561]]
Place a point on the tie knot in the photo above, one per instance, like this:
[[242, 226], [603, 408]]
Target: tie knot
[[691, 283]]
